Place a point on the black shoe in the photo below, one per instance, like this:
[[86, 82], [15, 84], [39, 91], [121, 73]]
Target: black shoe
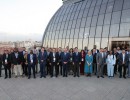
[[40, 76], [97, 76], [124, 77], [102, 76], [44, 76], [0, 76], [120, 76], [28, 77], [10, 77], [5, 77], [74, 75], [34, 77], [78, 76]]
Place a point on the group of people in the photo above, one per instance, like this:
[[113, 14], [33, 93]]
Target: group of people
[[58, 61]]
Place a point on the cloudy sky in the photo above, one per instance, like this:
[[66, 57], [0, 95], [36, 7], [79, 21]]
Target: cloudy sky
[[25, 19]]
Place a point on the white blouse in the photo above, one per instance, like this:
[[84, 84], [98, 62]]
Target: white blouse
[[111, 60]]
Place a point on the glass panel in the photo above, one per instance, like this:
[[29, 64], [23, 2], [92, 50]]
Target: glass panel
[[91, 43], [103, 9], [72, 33], [85, 13], [100, 19], [52, 43], [76, 15], [81, 33], [91, 11], [116, 17], [88, 21], [107, 19], [92, 31], [96, 10], [62, 26], [68, 34], [56, 34], [75, 43], [125, 29], [55, 43], [70, 43], [88, 3], [76, 35], [66, 25], [74, 23], [93, 3], [97, 42], [80, 44], [126, 16], [83, 22], [67, 43], [59, 43], [70, 25], [114, 30], [105, 31], [104, 1], [86, 33], [80, 14], [60, 34], [98, 31], [118, 5], [63, 43], [85, 42], [104, 42], [126, 4], [99, 2], [48, 44], [78, 23], [94, 21]]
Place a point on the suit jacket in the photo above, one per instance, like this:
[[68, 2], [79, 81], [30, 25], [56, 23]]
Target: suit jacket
[[65, 58], [126, 60], [8, 59], [34, 59], [1, 59], [18, 60], [52, 58], [76, 58], [94, 58], [101, 60], [42, 57]]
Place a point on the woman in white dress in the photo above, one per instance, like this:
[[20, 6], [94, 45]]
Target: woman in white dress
[[111, 60]]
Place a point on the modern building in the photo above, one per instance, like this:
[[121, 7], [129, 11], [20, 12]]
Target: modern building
[[80, 23]]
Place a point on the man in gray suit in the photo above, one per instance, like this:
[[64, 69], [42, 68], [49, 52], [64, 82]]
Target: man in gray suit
[[101, 59]]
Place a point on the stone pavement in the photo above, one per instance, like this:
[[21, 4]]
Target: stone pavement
[[83, 88]]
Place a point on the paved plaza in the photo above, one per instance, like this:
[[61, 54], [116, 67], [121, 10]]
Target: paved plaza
[[70, 88]]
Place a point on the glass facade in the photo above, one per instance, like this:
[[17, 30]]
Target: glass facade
[[88, 23]]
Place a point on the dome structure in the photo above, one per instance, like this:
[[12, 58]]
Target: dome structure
[[91, 23]]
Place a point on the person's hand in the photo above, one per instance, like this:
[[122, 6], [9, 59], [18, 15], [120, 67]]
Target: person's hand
[[50, 63], [41, 60]]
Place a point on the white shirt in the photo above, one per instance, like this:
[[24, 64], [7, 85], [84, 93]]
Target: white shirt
[[123, 58]]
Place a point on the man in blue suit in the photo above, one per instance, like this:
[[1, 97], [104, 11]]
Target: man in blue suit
[[76, 61], [31, 59], [123, 63], [65, 59], [42, 61]]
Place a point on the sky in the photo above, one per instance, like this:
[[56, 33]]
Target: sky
[[22, 20]]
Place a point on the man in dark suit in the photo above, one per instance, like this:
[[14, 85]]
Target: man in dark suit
[[101, 60], [31, 59], [48, 66], [123, 63], [54, 62], [117, 60], [1, 60], [59, 66], [94, 61], [105, 64], [17, 59], [7, 63], [76, 62], [65, 59], [42, 61]]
